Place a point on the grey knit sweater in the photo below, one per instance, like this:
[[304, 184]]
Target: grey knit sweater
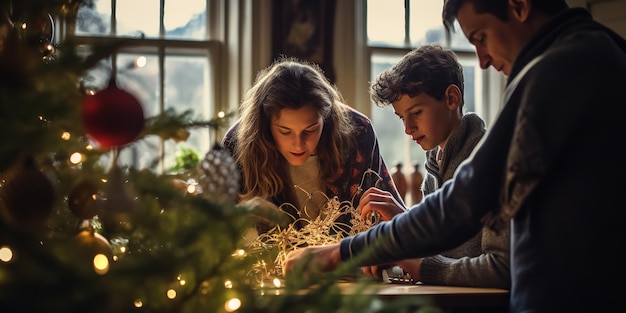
[[482, 261]]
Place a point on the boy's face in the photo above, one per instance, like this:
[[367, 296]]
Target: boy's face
[[297, 133], [497, 42], [428, 121]]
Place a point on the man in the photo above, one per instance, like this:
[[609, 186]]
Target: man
[[564, 92]]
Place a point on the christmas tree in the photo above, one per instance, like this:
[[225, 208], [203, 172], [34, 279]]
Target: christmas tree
[[81, 233]]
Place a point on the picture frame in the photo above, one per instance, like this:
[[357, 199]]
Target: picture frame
[[304, 29]]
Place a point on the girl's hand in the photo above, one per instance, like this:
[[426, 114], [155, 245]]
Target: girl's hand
[[380, 201]]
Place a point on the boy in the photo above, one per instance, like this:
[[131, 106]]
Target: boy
[[425, 89]]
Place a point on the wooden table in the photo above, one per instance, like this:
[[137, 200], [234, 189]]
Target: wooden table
[[449, 298]]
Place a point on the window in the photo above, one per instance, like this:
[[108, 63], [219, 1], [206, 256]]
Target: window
[[181, 43], [393, 28]]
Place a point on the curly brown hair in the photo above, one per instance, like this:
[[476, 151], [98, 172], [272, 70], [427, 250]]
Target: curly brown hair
[[429, 69]]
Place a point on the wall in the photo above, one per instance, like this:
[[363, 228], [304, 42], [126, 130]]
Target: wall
[[612, 13], [348, 60]]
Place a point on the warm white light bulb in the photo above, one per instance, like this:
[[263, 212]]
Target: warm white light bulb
[[276, 282], [181, 281], [171, 294], [232, 305], [6, 254], [76, 158], [141, 61], [101, 264], [191, 188], [239, 252]]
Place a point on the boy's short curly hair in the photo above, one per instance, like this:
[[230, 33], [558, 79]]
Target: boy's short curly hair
[[429, 69]]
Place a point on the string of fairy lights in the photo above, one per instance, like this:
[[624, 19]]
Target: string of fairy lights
[[319, 231]]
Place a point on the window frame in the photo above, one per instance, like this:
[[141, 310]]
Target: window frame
[[224, 47]]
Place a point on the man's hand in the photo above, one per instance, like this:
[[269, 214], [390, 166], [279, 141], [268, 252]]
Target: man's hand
[[410, 266], [375, 271], [376, 200], [314, 259]]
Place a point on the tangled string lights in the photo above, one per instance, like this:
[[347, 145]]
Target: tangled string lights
[[322, 230]]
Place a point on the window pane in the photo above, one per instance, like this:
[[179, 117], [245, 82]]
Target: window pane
[[97, 77], [426, 23], [94, 20], [472, 75], [142, 83], [458, 41], [186, 88], [469, 90], [185, 19], [138, 17], [385, 22]]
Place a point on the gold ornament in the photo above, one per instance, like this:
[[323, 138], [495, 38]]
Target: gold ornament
[[89, 244]]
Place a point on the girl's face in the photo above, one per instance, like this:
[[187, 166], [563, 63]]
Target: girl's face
[[428, 121], [297, 133]]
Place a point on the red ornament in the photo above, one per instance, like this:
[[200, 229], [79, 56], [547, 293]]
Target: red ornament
[[113, 116]]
